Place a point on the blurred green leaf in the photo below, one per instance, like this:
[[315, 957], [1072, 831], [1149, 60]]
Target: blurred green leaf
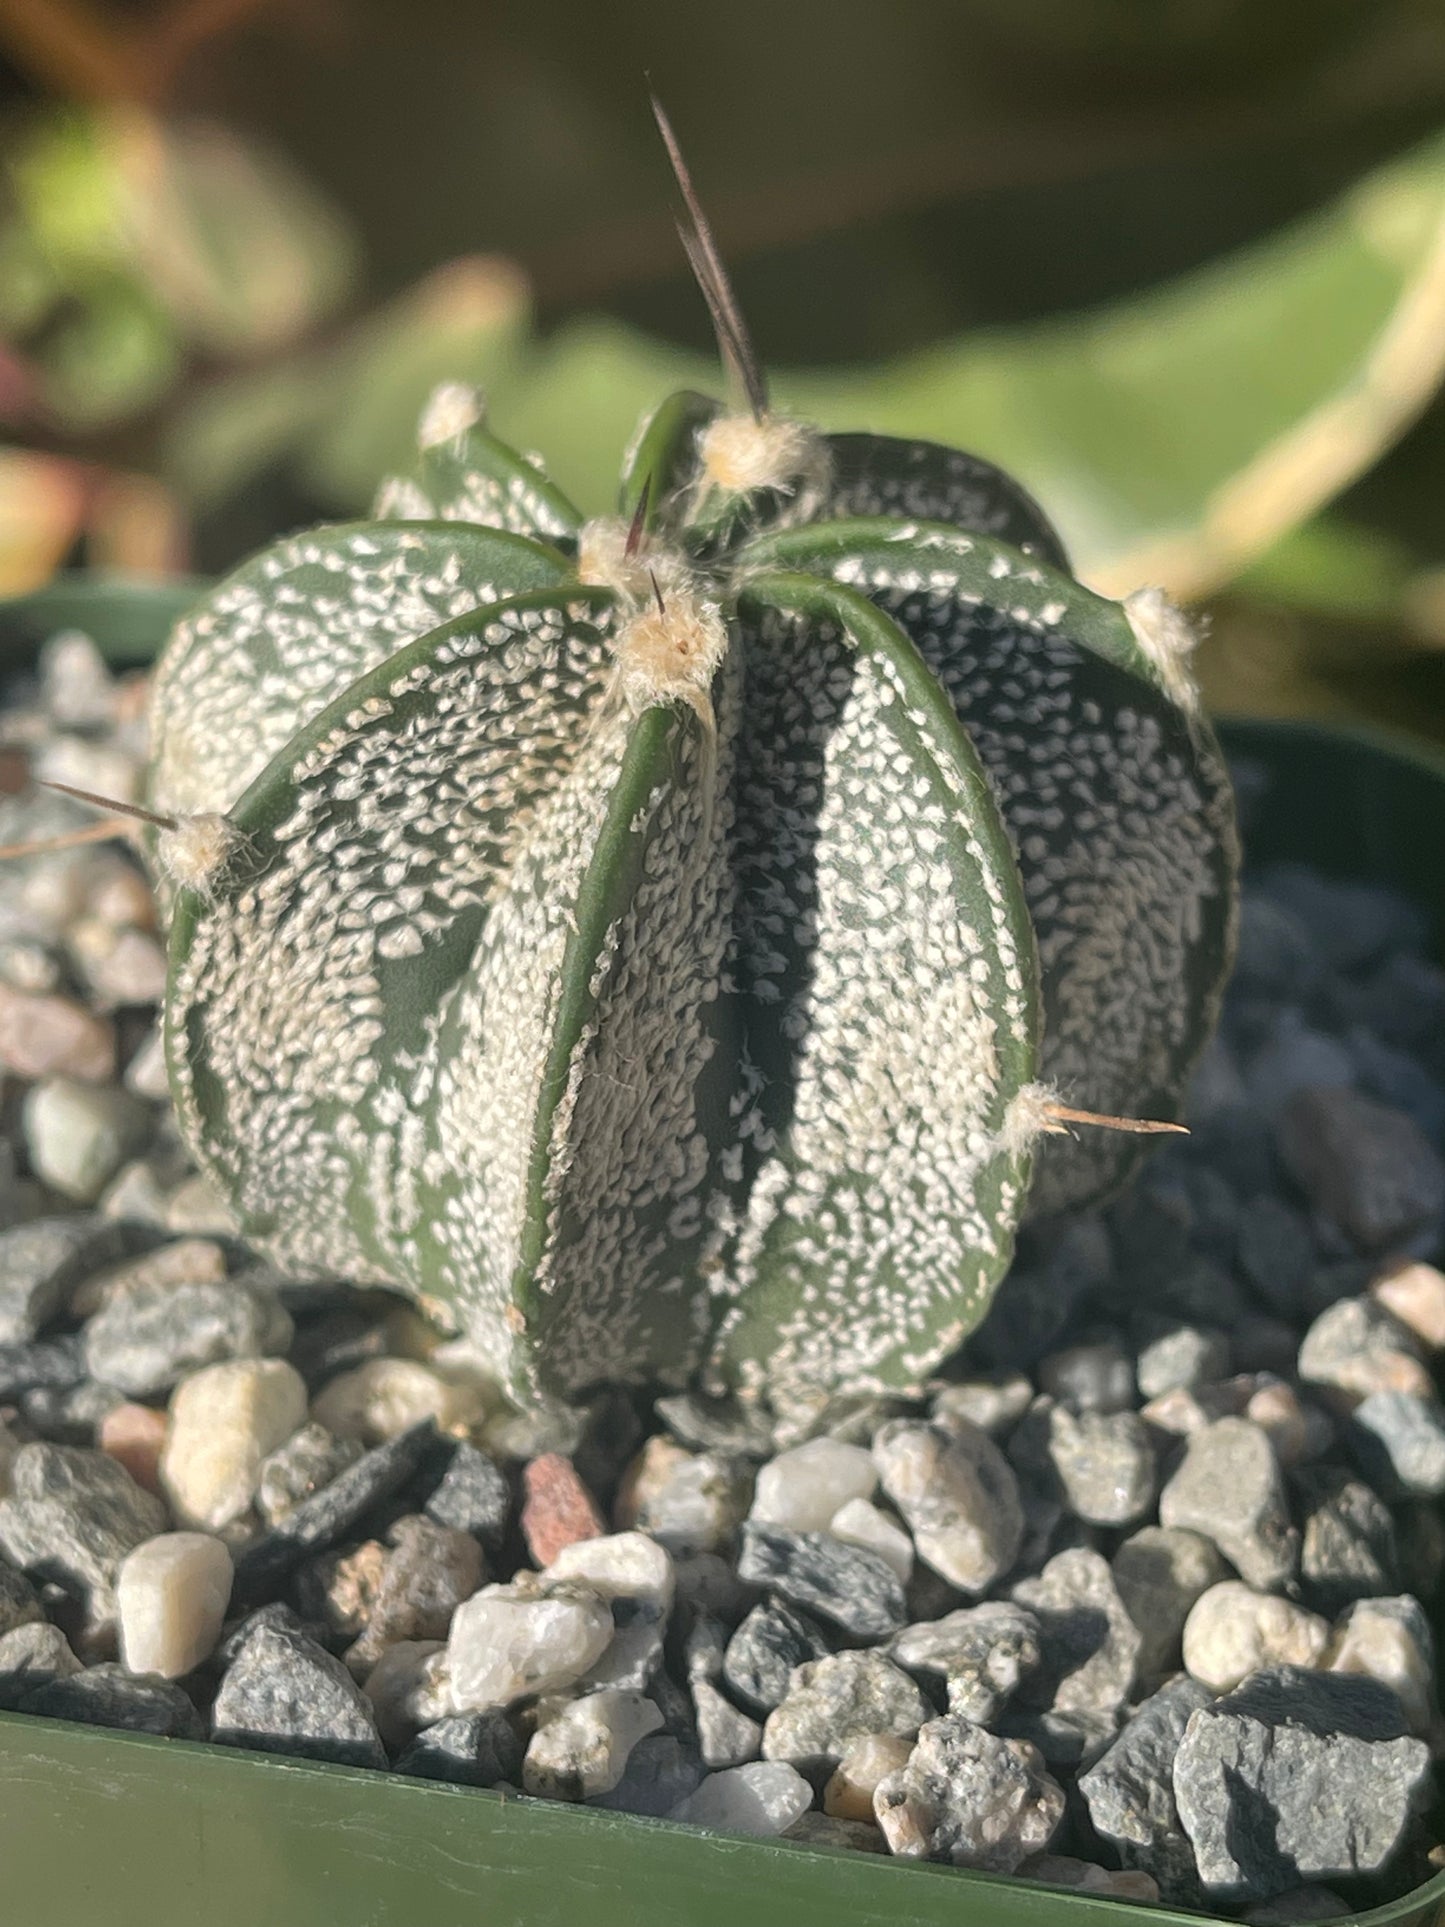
[[1172, 437], [109, 357], [126, 617], [243, 251], [466, 322], [1332, 567]]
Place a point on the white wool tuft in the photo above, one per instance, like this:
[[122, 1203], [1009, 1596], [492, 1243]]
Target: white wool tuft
[[1168, 639], [740, 455], [450, 411], [196, 852], [1028, 1118], [672, 653]]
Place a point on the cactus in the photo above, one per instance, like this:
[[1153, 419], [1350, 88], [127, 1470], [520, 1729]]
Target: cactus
[[660, 943]]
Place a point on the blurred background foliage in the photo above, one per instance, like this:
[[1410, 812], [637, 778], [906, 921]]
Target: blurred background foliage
[[1180, 266]]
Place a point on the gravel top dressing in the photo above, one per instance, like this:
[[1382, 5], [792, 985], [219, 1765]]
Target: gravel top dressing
[[1138, 1602]]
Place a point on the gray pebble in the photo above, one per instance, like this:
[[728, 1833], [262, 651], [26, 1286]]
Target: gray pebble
[[992, 1404], [328, 1515], [816, 1829], [725, 1736], [1360, 1347], [708, 1583], [717, 1425], [1296, 1776], [1129, 1792], [468, 1749], [1420, 1538], [284, 1694], [1230, 1488], [52, 1364], [969, 1797], [1173, 1354], [1159, 1572], [71, 1517], [1399, 1440], [661, 1771], [851, 1588], [79, 1135], [19, 1602], [309, 1460], [1347, 1546], [958, 1496], [29, 1655], [982, 1652], [1105, 1464], [145, 1341], [761, 1655], [430, 1570], [1299, 1904], [832, 1702], [1352, 924], [1091, 1378], [278, 1616], [1043, 1289], [1366, 1167], [71, 1416], [108, 1695], [689, 1502], [1296, 1058], [1276, 1253], [1277, 953], [1090, 1655], [42, 1262], [704, 1648], [473, 1496]]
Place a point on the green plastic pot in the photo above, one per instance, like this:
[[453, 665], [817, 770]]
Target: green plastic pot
[[111, 1829]]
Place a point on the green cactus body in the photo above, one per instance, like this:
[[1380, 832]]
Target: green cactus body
[[652, 943]]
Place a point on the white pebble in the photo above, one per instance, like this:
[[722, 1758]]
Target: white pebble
[[959, 1496], [409, 1689], [507, 1642], [584, 1750], [387, 1396], [172, 1593], [196, 1206], [1389, 1640], [860, 1524], [145, 1074], [79, 1135], [1233, 1631], [621, 1565], [1415, 1294], [801, 1490], [9, 1446], [764, 1798], [224, 1420]]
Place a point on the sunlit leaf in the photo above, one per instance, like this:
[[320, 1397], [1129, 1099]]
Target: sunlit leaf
[[466, 322], [241, 249], [1173, 436]]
